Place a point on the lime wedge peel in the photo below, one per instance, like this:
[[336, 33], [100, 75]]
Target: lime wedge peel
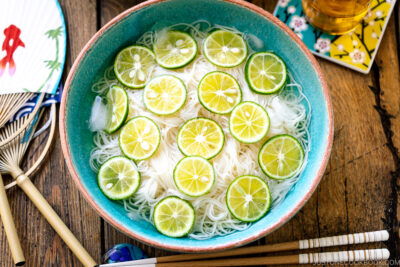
[[265, 73], [175, 49], [118, 178], [249, 122], [219, 92], [225, 49], [164, 95], [248, 198], [200, 137], [139, 138], [194, 176], [118, 105], [174, 216], [133, 66], [281, 157]]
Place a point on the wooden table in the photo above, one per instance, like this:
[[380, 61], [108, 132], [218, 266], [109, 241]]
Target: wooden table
[[359, 191]]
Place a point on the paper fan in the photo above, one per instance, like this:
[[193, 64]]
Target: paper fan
[[33, 44]]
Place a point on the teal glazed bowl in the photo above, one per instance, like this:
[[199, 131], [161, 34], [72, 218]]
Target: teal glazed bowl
[[122, 31]]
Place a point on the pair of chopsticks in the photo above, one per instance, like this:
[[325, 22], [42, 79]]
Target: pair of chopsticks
[[212, 259]]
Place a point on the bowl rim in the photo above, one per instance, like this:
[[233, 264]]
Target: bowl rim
[[233, 243]]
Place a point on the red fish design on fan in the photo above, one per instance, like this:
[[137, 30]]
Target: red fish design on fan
[[10, 44]]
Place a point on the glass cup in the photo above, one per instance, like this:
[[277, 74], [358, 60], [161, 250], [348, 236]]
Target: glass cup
[[335, 16]]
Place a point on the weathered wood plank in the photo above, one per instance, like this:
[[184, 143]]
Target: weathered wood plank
[[111, 8], [354, 172], [387, 96], [41, 245]]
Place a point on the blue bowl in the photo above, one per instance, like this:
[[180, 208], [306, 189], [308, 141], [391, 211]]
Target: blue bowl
[[122, 31]]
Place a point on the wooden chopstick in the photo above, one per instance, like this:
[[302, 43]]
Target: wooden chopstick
[[350, 256], [359, 238]]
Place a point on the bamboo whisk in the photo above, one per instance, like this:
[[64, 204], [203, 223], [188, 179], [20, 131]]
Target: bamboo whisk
[[10, 158]]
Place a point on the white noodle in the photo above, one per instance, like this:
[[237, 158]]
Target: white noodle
[[287, 114]]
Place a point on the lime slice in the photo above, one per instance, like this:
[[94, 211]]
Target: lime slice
[[174, 216], [118, 178], [139, 138], [225, 49], [281, 157], [200, 137], [117, 99], [265, 73], [174, 49], [248, 198], [249, 122], [164, 95], [194, 176], [133, 66], [219, 92]]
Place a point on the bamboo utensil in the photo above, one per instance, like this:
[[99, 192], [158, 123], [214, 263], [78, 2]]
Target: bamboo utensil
[[359, 238], [9, 227], [10, 158]]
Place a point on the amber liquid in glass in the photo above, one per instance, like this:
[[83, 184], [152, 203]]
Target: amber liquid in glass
[[335, 16]]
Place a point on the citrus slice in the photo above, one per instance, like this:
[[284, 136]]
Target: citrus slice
[[118, 178], [173, 216], [200, 137], [133, 66], [225, 49], [249, 122], [265, 73], [219, 92], [248, 198], [117, 99], [174, 49], [139, 138], [194, 176], [164, 95], [281, 157]]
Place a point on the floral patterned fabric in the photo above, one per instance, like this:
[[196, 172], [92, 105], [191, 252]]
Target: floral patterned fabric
[[356, 49]]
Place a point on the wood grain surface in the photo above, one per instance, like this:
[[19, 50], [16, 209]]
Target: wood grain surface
[[359, 191]]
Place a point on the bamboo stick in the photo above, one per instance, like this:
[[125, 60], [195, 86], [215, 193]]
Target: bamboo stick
[[51, 216], [9, 227]]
